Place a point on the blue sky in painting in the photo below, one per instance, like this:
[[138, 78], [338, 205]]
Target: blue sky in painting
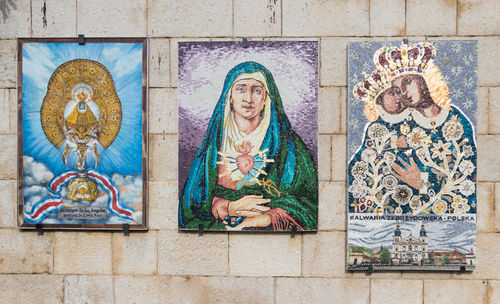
[[124, 62]]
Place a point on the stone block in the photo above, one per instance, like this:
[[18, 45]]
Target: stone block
[[171, 289], [486, 207], [162, 111], [431, 17], [257, 18], [8, 200], [8, 66], [493, 292], [343, 110], [52, 18], [387, 17], [454, 291], [163, 157], [15, 19], [394, 291], [329, 119], [324, 157], [82, 252], [478, 17], [321, 290], [488, 166], [339, 158], [88, 289], [423, 275], [186, 253], [325, 18], [497, 207], [159, 63], [8, 156], [487, 259], [332, 206], [264, 255], [488, 50], [42, 289], [333, 62], [25, 252], [494, 110], [135, 254], [323, 254], [5, 101], [173, 18], [163, 205], [483, 111], [120, 18]]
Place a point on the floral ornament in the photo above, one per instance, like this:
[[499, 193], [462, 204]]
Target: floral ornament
[[441, 150], [431, 193], [405, 128], [466, 167], [369, 155], [467, 150], [359, 170], [369, 143], [386, 170], [452, 129], [460, 205], [439, 207], [418, 138], [358, 188], [377, 131], [415, 203], [421, 153], [402, 194], [398, 211], [389, 158], [467, 187], [390, 182], [379, 211]]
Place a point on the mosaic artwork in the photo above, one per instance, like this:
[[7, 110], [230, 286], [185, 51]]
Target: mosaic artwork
[[82, 153], [248, 135], [412, 155]]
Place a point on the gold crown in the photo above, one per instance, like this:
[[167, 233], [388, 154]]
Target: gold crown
[[392, 62]]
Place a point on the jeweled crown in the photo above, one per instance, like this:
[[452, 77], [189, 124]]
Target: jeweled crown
[[390, 63]]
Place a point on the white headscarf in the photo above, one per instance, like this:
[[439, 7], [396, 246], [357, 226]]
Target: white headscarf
[[233, 137]]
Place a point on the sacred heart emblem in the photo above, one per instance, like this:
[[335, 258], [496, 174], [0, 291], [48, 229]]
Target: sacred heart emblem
[[245, 161]]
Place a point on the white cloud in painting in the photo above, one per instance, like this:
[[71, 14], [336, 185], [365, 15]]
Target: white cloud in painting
[[38, 64], [36, 177], [124, 62]]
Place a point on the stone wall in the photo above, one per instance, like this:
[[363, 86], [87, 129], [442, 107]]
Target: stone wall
[[166, 266]]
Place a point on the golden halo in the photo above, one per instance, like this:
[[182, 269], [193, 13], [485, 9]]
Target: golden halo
[[59, 94]]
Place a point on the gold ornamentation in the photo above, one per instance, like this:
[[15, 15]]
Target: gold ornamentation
[[392, 62], [82, 189], [60, 92]]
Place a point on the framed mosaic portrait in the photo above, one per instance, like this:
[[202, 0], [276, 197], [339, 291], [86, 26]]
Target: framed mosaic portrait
[[248, 136], [82, 125], [412, 167]]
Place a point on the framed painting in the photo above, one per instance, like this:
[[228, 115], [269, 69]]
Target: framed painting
[[412, 168], [248, 136], [82, 125]]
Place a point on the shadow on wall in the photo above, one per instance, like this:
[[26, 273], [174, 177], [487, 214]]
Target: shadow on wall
[[5, 7]]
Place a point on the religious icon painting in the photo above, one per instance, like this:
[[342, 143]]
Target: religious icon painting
[[412, 168], [248, 135], [82, 134]]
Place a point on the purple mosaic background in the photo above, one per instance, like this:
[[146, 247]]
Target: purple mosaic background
[[203, 66]]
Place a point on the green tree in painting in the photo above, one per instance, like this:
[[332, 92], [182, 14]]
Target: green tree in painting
[[385, 256]]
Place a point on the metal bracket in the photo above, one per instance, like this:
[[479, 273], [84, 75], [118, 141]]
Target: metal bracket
[[39, 229], [370, 270], [294, 231], [126, 229], [405, 40], [81, 39], [462, 268], [244, 42], [200, 229]]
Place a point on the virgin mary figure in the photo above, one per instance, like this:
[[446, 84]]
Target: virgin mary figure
[[252, 171], [418, 155]]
